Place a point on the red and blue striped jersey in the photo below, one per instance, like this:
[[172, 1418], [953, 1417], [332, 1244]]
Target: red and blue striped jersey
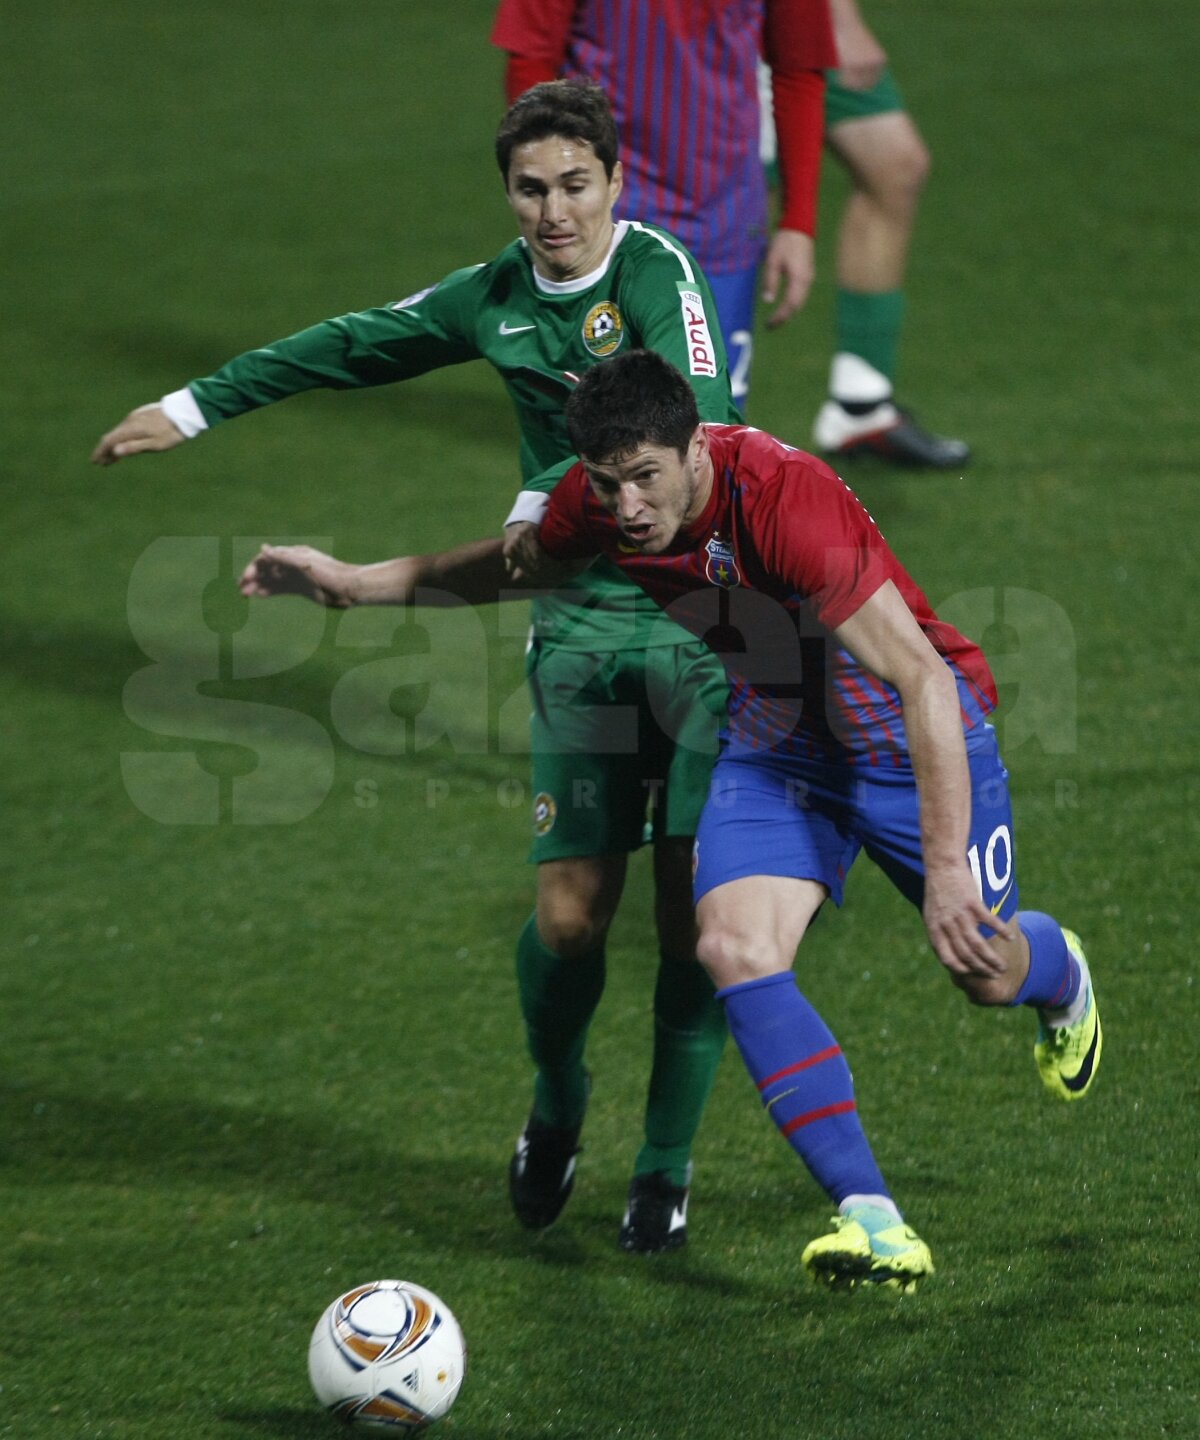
[[783, 554], [681, 76]]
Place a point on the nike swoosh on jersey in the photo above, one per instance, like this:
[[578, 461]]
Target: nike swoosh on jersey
[[507, 329]]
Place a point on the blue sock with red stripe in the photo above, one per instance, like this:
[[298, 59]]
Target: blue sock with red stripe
[[1054, 975], [804, 1082]]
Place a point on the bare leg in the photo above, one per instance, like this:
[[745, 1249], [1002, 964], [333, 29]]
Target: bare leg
[[576, 901], [888, 164], [751, 928]]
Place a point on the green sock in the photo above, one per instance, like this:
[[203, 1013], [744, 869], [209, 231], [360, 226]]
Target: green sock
[[558, 1000], [869, 326], [689, 1037]]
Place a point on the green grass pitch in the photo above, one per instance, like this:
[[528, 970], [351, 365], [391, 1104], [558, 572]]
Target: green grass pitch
[[258, 1033]]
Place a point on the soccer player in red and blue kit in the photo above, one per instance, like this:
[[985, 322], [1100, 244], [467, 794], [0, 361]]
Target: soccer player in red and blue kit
[[682, 81], [857, 721]]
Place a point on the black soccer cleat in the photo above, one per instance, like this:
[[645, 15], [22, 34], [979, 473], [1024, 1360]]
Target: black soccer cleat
[[656, 1217], [541, 1174], [888, 433]]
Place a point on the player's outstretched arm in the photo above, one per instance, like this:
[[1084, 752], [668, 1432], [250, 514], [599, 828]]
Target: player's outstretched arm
[[143, 430], [303, 570], [885, 637], [469, 574]]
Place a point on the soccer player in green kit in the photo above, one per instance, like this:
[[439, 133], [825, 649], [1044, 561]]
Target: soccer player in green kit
[[573, 290]]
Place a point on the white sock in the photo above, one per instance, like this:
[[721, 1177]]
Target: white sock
[[853, 381], [880, 1202], [1064, 1015]]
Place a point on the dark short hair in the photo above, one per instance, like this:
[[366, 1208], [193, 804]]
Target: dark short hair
[[570, 109], [632, 400]]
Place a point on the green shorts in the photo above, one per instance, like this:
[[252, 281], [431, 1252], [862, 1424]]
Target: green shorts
[[842, 104], [619, 737]]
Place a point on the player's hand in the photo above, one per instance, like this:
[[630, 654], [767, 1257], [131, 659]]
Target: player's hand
[[787, 274], [526, 561], [862, 58], [142, 430], [524, 558], [299, 570], [953, 913]]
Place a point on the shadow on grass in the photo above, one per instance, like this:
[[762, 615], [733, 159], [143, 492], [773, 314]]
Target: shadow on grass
[[301, 1423], [67, 1138], [294, 1421], [71, 659], [80, 662], [72, 1139]]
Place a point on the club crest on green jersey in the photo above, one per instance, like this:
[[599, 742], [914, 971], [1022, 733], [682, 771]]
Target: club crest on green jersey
[[603, 329], [721, 568]]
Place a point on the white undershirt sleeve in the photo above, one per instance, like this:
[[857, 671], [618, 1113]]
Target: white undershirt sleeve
[[181, 410], [531, 506]]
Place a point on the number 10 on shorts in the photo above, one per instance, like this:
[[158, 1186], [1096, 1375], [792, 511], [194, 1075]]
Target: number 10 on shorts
[[994, 875]]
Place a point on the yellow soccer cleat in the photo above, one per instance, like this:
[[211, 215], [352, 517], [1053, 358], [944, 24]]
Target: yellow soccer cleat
[[1068, 1056], [869, 1246]]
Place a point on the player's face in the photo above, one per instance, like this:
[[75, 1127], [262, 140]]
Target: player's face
[[563, 202], [654, 492]]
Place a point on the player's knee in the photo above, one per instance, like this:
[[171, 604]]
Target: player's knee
[[914, 166], [900, 175], [728, 956], [571, 926]]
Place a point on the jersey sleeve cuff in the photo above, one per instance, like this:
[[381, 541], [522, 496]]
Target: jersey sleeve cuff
[[181, 410], [530, 508]]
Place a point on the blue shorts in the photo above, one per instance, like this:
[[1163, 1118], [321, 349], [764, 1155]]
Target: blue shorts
[[734, 296], [773, 814]]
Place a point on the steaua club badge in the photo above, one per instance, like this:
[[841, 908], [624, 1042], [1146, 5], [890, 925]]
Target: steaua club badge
[[721, 568]]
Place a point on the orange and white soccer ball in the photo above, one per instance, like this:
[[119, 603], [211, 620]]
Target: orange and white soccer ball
[[387, 1357]]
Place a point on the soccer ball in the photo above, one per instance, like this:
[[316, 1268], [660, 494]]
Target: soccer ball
[[387, 1357]]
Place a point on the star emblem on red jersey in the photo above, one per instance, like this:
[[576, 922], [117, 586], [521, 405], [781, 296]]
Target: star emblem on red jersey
[[721, 567]]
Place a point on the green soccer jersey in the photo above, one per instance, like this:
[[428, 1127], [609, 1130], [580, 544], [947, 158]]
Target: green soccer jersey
[[539, 335]]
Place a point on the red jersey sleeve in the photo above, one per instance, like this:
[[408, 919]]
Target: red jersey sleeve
[[521, 74], [798, 35], [534, 33], [534, 29], [566, 532], [799, 47], [799, 102]]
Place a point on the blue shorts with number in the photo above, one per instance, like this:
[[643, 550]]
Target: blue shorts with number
[[733, 293], [774, 814]]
